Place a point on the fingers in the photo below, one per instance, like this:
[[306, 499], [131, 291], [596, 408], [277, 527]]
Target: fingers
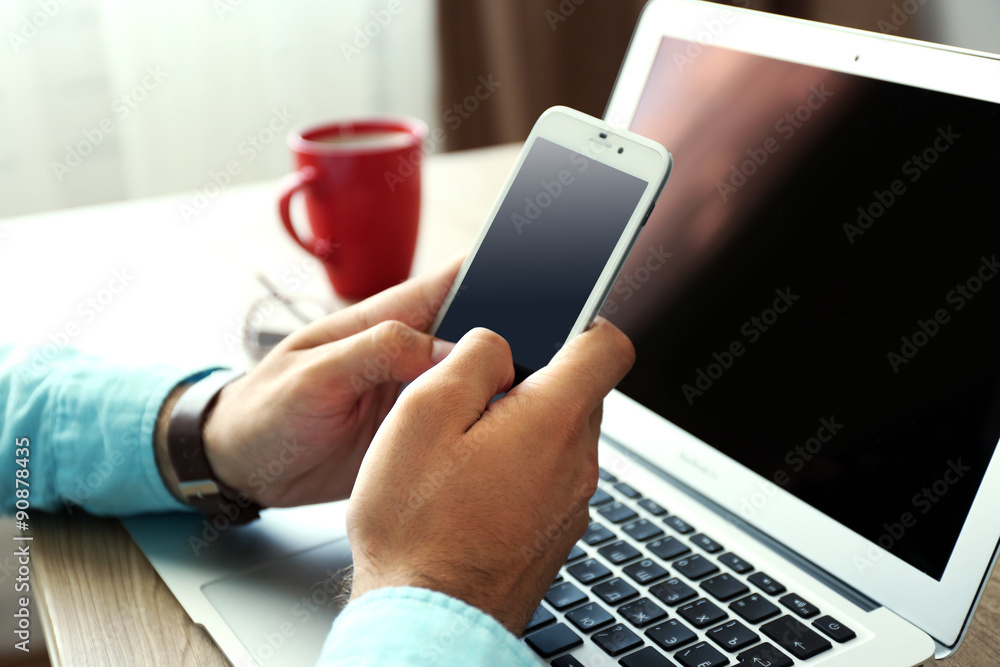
[[390, 351], [415, 303], [585, 370], [477, 369]]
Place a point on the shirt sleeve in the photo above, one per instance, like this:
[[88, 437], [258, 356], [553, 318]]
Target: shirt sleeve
[[89, 428], [408, 626]]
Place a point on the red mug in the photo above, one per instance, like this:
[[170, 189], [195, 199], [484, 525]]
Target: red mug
[[361, 181]]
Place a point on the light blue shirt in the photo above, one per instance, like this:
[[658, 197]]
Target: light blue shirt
[[90, 426]]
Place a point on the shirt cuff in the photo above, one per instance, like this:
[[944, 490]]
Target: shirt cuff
[[418, 626]]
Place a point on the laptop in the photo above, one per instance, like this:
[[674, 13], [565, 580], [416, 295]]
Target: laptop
[[800, 468]]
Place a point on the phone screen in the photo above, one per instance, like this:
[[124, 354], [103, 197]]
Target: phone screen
[[541, 258]]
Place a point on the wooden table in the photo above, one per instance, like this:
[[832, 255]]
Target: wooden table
[[101, 601]]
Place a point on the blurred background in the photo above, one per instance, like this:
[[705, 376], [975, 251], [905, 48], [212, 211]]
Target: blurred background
[[103, 100], [106, 100]]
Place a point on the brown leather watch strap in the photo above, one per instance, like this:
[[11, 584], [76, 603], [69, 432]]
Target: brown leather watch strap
[[197, 482]]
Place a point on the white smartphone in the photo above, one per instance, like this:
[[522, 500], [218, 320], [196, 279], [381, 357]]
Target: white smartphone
[[557, 236]]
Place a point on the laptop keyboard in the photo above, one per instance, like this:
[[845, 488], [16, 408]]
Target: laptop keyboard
[[683, 598]]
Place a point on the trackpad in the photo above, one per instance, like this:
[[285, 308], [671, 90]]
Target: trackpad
[[282, 611]]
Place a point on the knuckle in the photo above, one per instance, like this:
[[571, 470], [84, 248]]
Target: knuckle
[[489, 342], [393, 331]]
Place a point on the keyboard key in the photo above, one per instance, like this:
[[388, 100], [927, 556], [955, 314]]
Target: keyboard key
[[542, 616], [766, 583], [833, 629], [765, 655], [614, 591], [647, 657], [754, 608], [596, 534], [668, 548], [733, 636], [589, 617], [617, 640], [606, 476], [588, 571], [575, 553], [724, 587], [795, 638], [695, 567], [617, 513], [701, 613], [706, 543], [651, 507], [642, 612], [643, 530], [645, 571], [567, 661], [799, 605], [679, 525], [554, 640], [671, 634], [701, 655], [673, 592], [627, 491], [738, 565], [619, 552], [600, 497], [564, 595]]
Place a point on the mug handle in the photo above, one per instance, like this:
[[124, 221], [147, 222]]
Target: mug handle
[[289, 186]]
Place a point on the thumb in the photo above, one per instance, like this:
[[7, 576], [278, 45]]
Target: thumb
[[479, 368], [388, 352]]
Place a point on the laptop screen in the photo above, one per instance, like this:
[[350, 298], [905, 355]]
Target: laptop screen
[[817, 291]]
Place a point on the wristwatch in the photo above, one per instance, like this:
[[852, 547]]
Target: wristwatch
[[198, 484]]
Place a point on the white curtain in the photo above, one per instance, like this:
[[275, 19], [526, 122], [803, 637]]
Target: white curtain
[[112, 99]]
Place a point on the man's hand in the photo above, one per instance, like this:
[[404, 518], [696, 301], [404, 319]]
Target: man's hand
[[481, 500], [295, 429]]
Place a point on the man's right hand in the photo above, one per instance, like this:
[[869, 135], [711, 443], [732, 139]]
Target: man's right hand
[[483, 501]]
